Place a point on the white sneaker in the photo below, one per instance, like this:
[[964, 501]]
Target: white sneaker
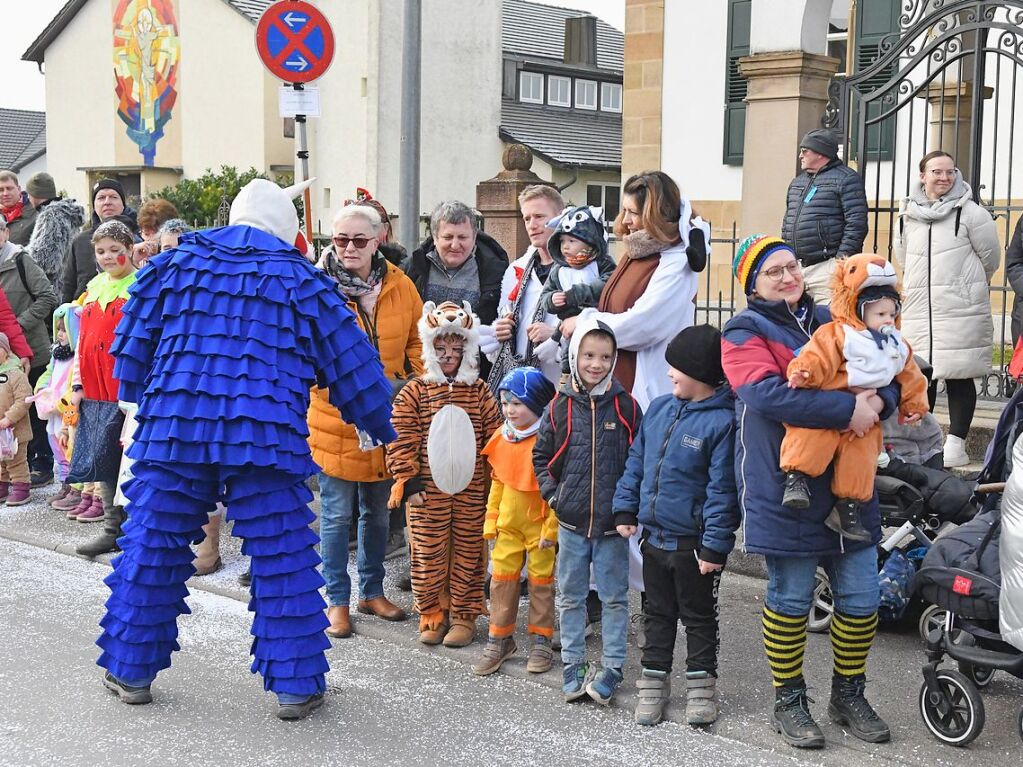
[[955, 452]]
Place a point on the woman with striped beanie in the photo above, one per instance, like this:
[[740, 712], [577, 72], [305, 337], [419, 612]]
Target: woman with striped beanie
[[757, 346]]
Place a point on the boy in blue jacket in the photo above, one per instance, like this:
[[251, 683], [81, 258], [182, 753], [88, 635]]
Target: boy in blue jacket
[[580, 453], [679, 484]]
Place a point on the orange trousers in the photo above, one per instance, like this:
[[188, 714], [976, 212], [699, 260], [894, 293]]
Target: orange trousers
[[811, 451]]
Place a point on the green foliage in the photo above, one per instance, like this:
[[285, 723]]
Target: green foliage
[[199, 199]]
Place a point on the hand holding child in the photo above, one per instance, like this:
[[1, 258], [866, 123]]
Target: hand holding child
[[5, 423], [626, 531], [64, 437], [798, 379], [26, 365], [415, 499], [559, 299], [546, 544], [910, 419], [709, 567]]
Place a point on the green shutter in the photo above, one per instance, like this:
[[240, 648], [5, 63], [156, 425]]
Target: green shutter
[[735, 83], [875, 19]]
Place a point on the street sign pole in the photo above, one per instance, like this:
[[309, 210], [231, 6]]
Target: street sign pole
[[302, 152], [408, 167]]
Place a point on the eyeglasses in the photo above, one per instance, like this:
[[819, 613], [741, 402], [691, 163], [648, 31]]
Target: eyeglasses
[[777, 273], [359, 242], [938, 173]]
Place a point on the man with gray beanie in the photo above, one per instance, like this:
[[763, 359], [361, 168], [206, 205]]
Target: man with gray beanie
[[826, 214], [57, 221]]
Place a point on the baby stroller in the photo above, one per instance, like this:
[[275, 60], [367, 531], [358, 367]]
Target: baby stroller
[[918, 502], [962, 573]]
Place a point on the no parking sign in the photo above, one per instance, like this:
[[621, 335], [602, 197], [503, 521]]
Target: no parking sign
[[295, 41]]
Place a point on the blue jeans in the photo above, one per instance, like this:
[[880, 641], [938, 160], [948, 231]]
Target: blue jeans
[[336, 500], [609, 556], [854, 582]]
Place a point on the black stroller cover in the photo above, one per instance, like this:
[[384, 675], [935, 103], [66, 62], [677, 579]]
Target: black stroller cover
[[961, 572]]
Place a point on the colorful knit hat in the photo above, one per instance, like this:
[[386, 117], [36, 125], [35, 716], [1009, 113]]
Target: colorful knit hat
[[752, 253]]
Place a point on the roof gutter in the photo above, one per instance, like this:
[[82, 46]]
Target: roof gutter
[[567, 184]]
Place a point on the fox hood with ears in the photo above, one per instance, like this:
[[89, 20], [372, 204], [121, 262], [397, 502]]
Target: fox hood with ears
[[450, 319], [853, 275]]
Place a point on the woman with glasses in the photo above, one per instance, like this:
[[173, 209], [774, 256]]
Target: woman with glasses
[[757, 346], [948, 248], [388, 307]]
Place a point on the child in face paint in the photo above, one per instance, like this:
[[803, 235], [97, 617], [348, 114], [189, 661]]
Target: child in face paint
[[92, 376]]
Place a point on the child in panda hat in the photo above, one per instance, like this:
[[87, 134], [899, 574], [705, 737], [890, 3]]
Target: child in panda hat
[[581, 265]]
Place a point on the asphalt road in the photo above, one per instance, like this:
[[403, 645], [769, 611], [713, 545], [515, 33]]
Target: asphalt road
[[391, 700]]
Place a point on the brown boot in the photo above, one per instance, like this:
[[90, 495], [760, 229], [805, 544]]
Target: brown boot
[[340, 622], [461, 633], [207, 554], [432, 628], [497, 651], [382, 607]]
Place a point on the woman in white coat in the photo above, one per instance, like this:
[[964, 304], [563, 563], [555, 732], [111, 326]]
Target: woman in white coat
[[948, 247]]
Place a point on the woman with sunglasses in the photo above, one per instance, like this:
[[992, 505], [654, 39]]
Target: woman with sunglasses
[[757, 346], [948, 248], [388, 309]]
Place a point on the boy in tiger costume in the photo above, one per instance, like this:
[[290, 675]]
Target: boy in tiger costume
[[444, 419]]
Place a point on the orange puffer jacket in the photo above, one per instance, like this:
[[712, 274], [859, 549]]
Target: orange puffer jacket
[[394, 332]]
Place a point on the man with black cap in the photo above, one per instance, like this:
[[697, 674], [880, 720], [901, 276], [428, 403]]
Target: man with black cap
[[108, 202], [826, 216]]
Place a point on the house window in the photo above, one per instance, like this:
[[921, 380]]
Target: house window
[[559, 91], [605, 196], [585, 94], [611, 97], [735, 83], [875, 20], [531, 87]]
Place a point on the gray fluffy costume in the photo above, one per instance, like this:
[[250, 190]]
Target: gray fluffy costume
[[56, 225]]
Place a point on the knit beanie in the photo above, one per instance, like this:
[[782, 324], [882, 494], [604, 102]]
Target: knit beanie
[[529, 386], [108, 183], [5, 343], [822, 141], [696, 351], [752, 253], [41, 185], [876, 293]]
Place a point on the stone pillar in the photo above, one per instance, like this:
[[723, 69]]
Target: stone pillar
[[786, 96], [951, 120], [641, 91], [498, 199]]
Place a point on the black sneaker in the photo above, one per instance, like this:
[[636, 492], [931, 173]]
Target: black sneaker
[[293, 711], [792, 718], [132, 695], [850, 708], [40, 477], [395, 546], [844, 519], [797, 494], [404, 583]]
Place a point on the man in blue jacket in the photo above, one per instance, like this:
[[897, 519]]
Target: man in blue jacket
[[679, 483]]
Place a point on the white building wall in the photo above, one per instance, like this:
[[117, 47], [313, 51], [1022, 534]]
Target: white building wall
[[38, 165], [693, 97]]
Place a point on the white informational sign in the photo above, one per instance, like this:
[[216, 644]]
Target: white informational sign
[[305, 102]]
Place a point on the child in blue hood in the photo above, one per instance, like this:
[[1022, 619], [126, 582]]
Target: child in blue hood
[[679, 484]]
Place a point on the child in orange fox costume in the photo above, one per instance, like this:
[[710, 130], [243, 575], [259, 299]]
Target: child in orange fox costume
[[860, 349]]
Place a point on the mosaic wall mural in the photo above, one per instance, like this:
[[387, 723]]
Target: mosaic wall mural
[[146, 55]]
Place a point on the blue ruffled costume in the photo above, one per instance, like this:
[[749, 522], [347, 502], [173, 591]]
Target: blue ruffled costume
[[219, 345]]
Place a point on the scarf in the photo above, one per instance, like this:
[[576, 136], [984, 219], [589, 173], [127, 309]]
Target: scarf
[[61, 352], [13, 363], [14, 212], [512, 434], [641, 244], [921, 208], [354, 287]]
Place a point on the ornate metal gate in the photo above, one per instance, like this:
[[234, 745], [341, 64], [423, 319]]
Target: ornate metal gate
[[948, 78]]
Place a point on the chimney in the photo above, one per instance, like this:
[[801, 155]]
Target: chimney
[[581, 41]]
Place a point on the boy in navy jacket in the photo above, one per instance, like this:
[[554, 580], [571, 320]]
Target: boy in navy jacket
[[679, 484]]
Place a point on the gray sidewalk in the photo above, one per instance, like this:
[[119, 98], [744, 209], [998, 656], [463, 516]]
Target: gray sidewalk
[[894, 671]]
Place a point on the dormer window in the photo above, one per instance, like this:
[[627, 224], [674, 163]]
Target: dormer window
[[585, 94], [611, 97], [559, 91], [531, 87]]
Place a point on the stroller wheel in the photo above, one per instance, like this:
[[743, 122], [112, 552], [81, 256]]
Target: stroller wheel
[[954, 713], [823, 607], [933, 617]]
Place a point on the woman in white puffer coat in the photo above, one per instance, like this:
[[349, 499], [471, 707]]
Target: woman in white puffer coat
[[948, 247]]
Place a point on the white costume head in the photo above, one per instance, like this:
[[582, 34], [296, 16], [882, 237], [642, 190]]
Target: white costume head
[[263, 205]]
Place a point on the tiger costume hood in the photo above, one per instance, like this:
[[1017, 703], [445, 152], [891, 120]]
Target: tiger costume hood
[[858, 280], [450, 319]]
